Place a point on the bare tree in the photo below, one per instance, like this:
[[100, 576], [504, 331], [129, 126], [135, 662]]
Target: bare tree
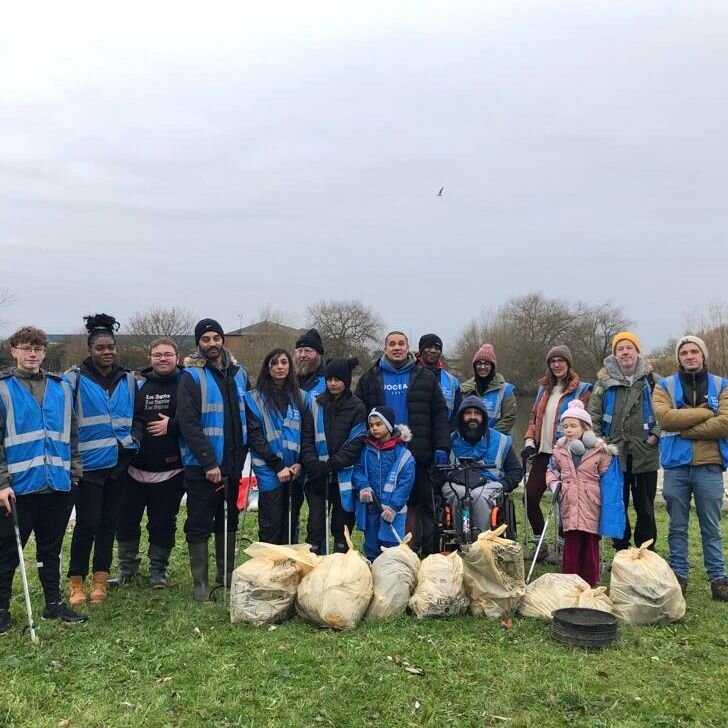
[[173, 322], [6, 297], [347, 328], [712, 327]]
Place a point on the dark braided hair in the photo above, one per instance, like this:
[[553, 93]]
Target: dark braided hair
[[100, 324]]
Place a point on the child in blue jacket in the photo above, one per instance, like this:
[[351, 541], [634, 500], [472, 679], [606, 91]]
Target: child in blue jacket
[[386, 469]]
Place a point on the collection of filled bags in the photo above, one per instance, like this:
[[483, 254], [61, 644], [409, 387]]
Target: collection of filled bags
[[339, 590]]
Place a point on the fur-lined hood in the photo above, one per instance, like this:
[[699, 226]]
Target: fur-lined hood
[[400, 434], [598, 444], [196, 359], [610, 375]]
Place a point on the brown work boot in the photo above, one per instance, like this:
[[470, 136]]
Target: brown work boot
[[719, 589], [99, 587], [76, 592]]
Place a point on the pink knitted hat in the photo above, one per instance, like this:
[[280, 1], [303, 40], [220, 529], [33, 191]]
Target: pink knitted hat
[[485, 353], [576, 410]]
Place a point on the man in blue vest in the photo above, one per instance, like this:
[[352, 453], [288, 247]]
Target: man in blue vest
[[430, 357], [474, 439], [622, 413], [39, 464], [212, 425], [692, 408]]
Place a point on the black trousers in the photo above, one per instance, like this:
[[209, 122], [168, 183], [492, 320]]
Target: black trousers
[[161, 501], [96, 511], [46, 515], [273, 513], [316, 529], [421, 513], [643, 488], [206, 508]]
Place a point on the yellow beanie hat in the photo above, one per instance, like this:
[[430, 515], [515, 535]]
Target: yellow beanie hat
[[625, 336]]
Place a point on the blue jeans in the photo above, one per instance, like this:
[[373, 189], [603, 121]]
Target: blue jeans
[[705, 483]]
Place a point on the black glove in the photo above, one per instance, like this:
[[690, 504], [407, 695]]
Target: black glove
[[528, 452]]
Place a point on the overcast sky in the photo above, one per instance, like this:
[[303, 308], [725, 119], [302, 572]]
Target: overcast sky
[[227, 157]]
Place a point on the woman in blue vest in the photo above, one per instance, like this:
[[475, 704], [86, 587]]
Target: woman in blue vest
[[274, 411], [104, 396], [333, 435]]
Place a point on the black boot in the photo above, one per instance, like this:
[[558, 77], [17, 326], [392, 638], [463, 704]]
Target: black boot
[[198, 567], [63, 613], [158, 562], [5, 620], [220, 556], [129, 560]]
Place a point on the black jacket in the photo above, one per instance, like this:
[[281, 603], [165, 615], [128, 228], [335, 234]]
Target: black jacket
[[157, 395], [340, 415], [189, 413], [426, 409], [695, 387]]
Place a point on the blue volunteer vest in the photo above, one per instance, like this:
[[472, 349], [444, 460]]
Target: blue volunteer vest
[[283, 435], [609, 403], [492, 451], [676, 450], [37, 439], [403, 456], [212, 412], [493, 402], [319, 387], [449, 385], [580, 390], [103, 420], [343, 476]]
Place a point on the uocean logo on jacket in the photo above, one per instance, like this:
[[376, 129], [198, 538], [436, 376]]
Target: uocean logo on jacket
[[395, 387]]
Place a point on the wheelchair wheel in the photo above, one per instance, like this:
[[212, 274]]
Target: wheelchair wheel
[[504, 512]]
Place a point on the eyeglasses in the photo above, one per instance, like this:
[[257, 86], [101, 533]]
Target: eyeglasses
[[164, 355], [29, 349], [483, 364], [557, 360]]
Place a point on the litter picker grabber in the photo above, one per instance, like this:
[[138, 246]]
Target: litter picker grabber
[[327, 517], [378, 505], [526, 473], [290, 513], [553, 507], [23, 572]]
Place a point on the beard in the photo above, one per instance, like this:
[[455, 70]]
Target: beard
[[304, 368]]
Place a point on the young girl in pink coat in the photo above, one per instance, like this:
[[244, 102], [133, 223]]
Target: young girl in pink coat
[[578, 461]]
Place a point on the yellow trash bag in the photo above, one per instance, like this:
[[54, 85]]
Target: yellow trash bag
[[493, 575], [439, 591], [596, 599], [394, 573], [337, 592], [644, 589], [551, 592]]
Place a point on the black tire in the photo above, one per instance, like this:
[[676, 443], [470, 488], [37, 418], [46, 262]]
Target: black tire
[[508, 516]]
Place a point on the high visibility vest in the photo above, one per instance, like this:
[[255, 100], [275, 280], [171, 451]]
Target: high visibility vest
[[103, 420], [343, 476], [449, 385], [581, 389], [491, 450], [282, 433], [609, 403], [493, 402], [676, 450], [37, 438], [212, 412]]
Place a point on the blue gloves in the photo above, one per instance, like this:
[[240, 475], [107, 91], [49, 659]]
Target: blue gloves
[[441, 457]]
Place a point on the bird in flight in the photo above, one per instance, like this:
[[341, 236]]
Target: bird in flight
[[439, 194]]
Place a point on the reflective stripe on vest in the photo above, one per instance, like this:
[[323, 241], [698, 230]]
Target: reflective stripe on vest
[[343, 476], [493, 402], [37, 438], [609, 403], [449, 386], [282, 433], [212, 412], [103, 420], [492, 450], [676, 450]]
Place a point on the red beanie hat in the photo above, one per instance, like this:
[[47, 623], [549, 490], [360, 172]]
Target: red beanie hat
[[485, 353]]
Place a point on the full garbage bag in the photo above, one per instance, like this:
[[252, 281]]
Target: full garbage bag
[[439, 591], [551, 592], [394, 573], [596, 599]]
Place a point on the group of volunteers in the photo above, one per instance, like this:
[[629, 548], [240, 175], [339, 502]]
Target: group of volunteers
[[113, 444]]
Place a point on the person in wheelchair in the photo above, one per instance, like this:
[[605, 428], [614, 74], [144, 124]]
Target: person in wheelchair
[[474, 440]]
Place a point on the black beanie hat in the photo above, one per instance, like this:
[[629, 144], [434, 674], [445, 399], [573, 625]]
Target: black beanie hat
[[205, 325], [430, 340], [341, 369], [312, 339]]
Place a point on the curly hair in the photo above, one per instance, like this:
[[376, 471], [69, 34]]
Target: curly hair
[[100, 324], [28, 335]]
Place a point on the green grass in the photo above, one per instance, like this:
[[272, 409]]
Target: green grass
[[159, 659]]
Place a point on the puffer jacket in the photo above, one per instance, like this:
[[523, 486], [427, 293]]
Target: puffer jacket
[[509, 407], [580, 493], [627, 430], [426, 407], [698, 424]]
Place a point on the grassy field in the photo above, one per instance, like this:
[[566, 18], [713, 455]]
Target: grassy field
[[160, 659]]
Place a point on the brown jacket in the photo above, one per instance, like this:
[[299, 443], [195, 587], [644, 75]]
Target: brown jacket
[[694, 423]]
